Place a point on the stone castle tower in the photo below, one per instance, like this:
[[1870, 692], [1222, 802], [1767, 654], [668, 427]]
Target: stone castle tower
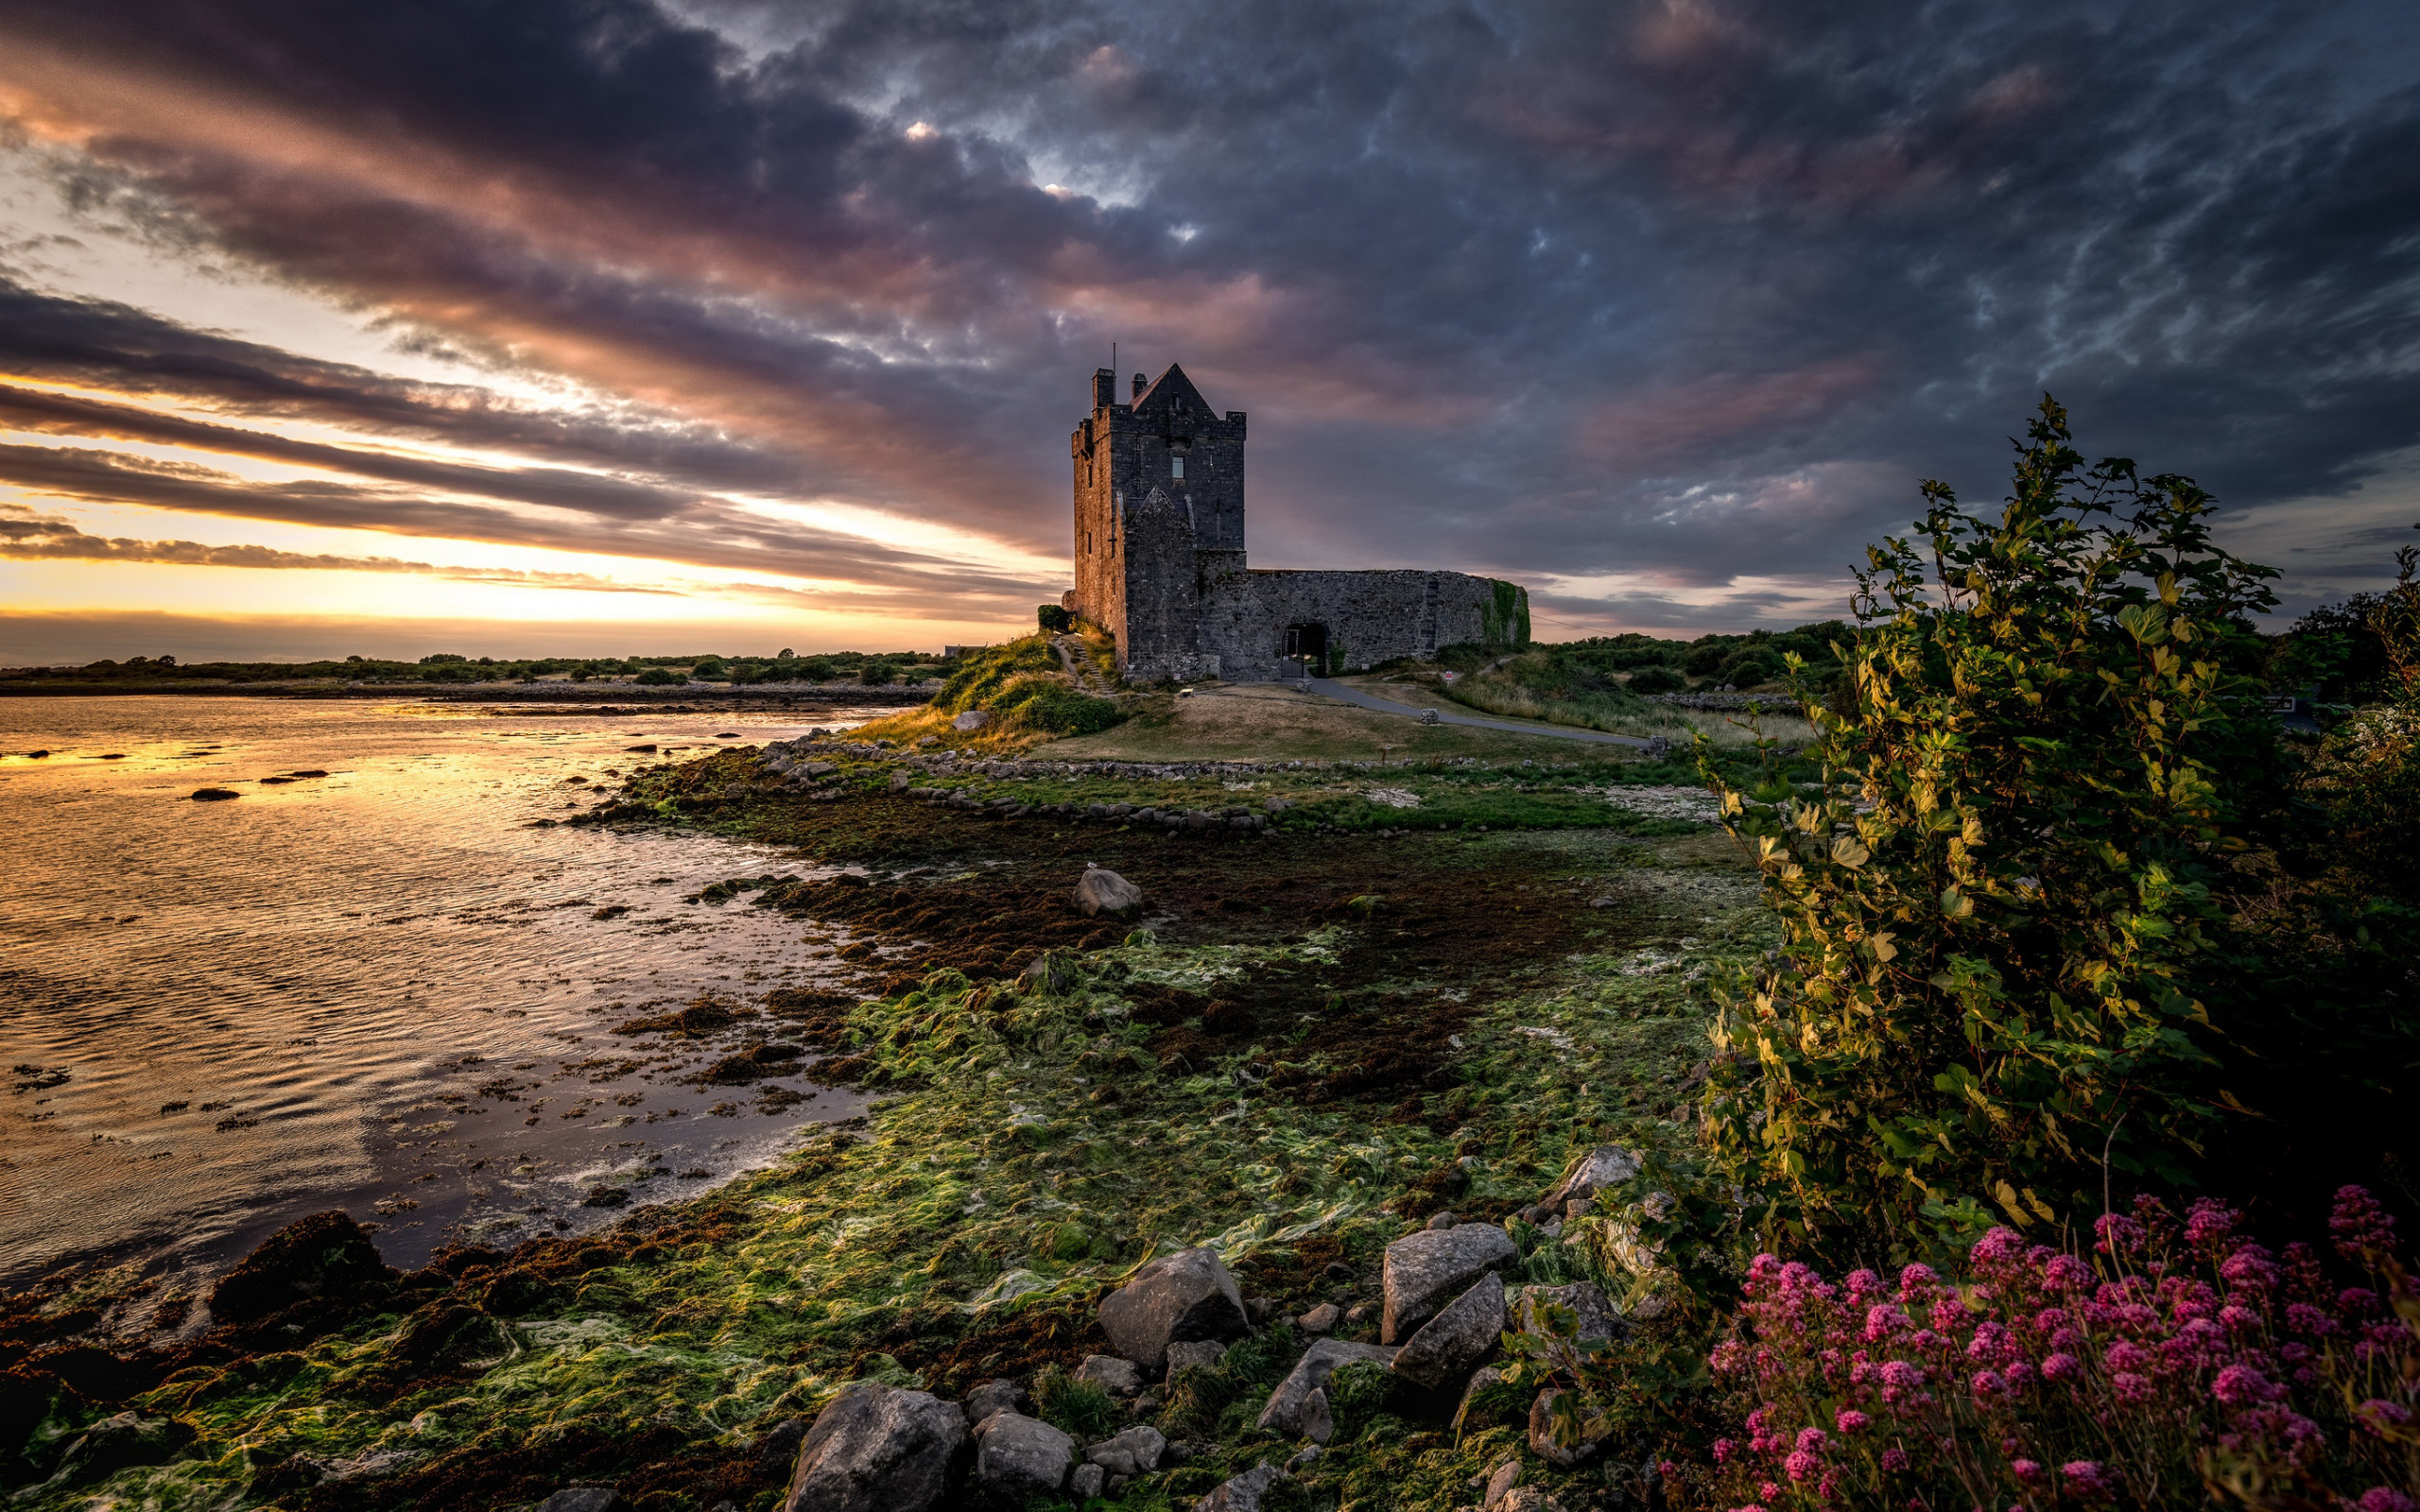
[[1159, 486]]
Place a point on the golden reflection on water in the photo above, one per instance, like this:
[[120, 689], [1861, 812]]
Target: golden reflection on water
[[379, 990]]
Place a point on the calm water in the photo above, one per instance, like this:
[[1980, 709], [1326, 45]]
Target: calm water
[[380, 989]]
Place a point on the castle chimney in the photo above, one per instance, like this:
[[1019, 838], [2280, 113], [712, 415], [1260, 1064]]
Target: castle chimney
[[1141, 383], [1104, 388]]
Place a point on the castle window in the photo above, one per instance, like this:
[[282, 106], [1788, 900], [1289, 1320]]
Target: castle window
[[1176, 466]]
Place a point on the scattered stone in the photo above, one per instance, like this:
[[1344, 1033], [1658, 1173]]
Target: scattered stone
[[1100, 891], [1607, 1165], [1135, 1451], [1598, 1317], [1441, 1221], [1242, 1494], [1541, 1434], [214, 795], [1500, 1484], [1425, 1269], [1289, 1402], [1320, 1319], [1338, 1271], [1203, 1353], [994, 1396], [1144, 1405], [1309, 1458], [972, 719], [1119, 1378], [324, 1257], [1528, 1499], [1087, 1482], [877, 1449], [1482, 1378], [1578, 1207], [585, 1498], [1258, 1309], [1448, 1345], [1358, 1312], [1017, 1455], [1177, 1298], [778, 1446], [1319, 1418]]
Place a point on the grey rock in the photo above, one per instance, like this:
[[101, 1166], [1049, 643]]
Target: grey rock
[[1288, 1403], [1598, 1317], [585, 1498], [877, 1449], [1425, 1270], [994, 1396], [1319, 1418], [778, 1446], [1541, 1434], [1304, 1460], [1457, 1338], [1101, 891], [1146, 1405], [1528, 1499], [1203, 1353], [1242, 1494], [1500, 1484], [1021, 1456], [1117, 1377], [1441, 1221], [1178, 1299], [1320, 1319], [1578, 1207], [1086, 1482], [1482, 1378], [1604, 1166], [1135, 1451], [972, 719]]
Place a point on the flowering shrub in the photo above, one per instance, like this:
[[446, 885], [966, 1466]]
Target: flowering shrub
[[2182, 1363]]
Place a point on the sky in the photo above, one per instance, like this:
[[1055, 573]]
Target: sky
[[600, 327]]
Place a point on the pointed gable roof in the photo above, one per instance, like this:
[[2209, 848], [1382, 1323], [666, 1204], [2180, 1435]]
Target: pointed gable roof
[[1171, 389]]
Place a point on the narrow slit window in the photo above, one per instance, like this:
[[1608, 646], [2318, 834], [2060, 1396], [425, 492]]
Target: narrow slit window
[[1176, 466]]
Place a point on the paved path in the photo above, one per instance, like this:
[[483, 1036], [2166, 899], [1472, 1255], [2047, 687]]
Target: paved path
[[1354, 696]]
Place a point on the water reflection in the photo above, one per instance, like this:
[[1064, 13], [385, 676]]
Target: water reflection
[[379, 989]]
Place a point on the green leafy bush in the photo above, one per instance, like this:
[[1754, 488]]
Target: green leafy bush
[[1053, 619], [1998, 912], [659, 678], [1657, 678]]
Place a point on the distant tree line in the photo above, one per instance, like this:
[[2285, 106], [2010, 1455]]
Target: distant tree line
[[869, 668]]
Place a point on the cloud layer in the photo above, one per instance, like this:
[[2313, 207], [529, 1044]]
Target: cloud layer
[[1669, 303]]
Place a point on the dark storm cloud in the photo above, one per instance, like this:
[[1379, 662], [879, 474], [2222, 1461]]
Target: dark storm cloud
[[727, 539], [1694, 291]]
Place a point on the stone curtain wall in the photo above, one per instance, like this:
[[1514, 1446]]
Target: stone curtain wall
[[1370, 616]]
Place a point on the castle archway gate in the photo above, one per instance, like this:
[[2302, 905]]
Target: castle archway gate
[[1309, 641]]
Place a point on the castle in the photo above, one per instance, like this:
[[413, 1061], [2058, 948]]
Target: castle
[[1160, 560]]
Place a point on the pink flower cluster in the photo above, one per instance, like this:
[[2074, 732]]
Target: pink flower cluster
[[2180, 1355]]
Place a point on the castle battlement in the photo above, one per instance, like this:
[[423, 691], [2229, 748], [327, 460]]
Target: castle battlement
[[1160, 560]]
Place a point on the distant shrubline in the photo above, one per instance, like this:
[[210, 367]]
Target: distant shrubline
[[1160, 560]]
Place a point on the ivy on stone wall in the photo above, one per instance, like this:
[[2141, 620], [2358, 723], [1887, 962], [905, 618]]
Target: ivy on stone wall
[[1504, 620]]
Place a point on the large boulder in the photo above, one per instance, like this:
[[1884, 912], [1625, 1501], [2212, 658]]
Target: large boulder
[[1426, 1269], [1598, 1317], [877, 1449], [326, 1257], [1245, 1493], [1607, 1165], [1101, 891], [1449, 1346], [1135, 1451], [1289, 1406], [1177, 1298], [1021, 1456], [972, 719]]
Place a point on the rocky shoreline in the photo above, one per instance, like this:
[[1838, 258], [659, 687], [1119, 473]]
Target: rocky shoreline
[[1304, 1042]]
